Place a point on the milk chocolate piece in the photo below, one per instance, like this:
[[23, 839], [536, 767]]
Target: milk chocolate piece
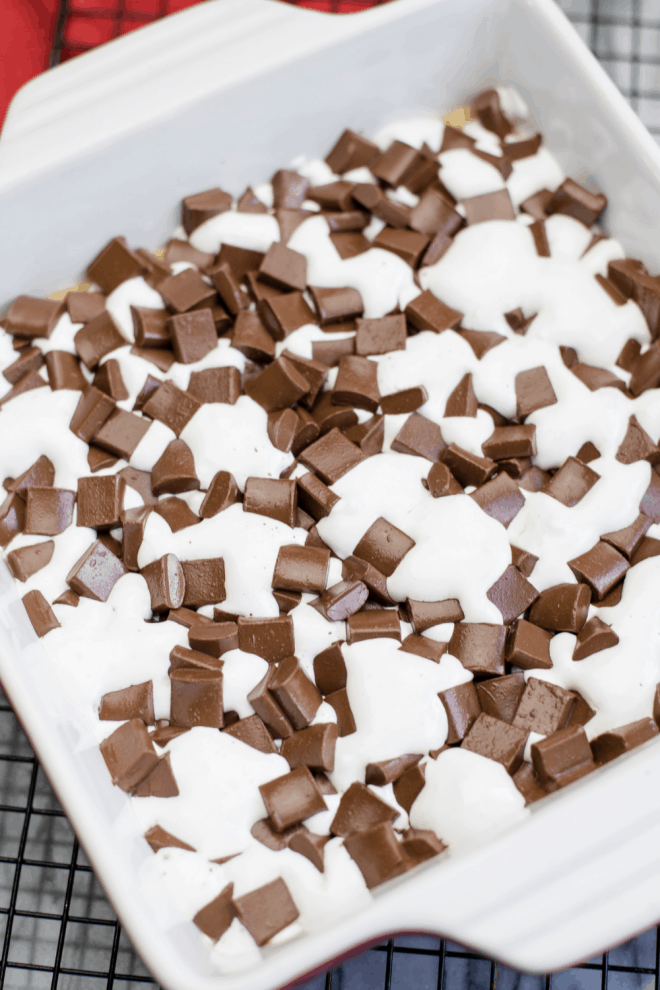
[[289, 189], [409, 785], [409, 245], [627, 540], [330, 352], [462, 401], [469, 469], [433, 214], [174, 471], [48, 511], [266, 911], [272, 639], [204, 582], [301, 568], [283, 268], [421, 844], [500, 696], [314, 497], [64, 371], [601, 568], [114, 264], [129, 754], [92, 411], [523, 560], [351, 151], [529, 646], [384, 546], [97, 339], [629, 354], [272, 497], [423, 615], [594, 636], [214, 638], [595, 378], [536, 205], [30, 359], [341, 600], [389, 771], [462, 706], [512, 594], [233, 297], [41, 474], [650, 503], [196, 698], [426, 312], [281, 315], [100, 501], [157, 268], [39, 613], [195, 210], [222, 492], [252, 732], [637, 445], [328, 416], [331, 456], [562, 757], [480, 647], [312, 371], [312, 747], [133, 522], [121, 433], [421, 646], [251, 338], [342, 221], [377, 852], [109, 379], [297, 696], [405, 401], [369, 436], [486, 106], [611, 744], [288, 600], [171, 406], [150, 327], [562, 608], [136, 701], [500, 498], [340, 703], [28, 382], [649, 547], [181, 657], [420, 436], [84, 306], [489, 206], [371, 197], [578, 202], [215, 918], [379, 336], [29, 317], [158, 839], [277, 386], [292, 798], [176, 513], [544, 707], [165, 581], [337, 305], [267, 708], [357, 383], [360, 809], [571, 482], [185, 291], [497, 740], [282, 428], [160, 782], [264, 831], [187, 617], [193, 335], [330, 670], [510, 441], [394, 165], [349, 244], [441, 481], [646, 371], [379, 623], [528, 784], [26, 561]]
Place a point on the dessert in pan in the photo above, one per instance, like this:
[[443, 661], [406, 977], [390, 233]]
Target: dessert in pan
[[339, 518]]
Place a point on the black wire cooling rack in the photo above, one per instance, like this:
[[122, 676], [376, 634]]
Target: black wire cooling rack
[[58, 930]]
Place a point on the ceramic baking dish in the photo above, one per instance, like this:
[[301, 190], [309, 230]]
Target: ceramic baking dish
[[223, 94]]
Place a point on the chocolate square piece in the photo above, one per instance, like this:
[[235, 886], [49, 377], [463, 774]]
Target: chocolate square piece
[[571, 482], [292, 798], [427, 312], [174, 471], [423, 615], [497, 741], [421, 437], [345, 720], [97, 338], [479, 646], [136, 701], [251, 338], [48, 511], [115, 264], [277, 386], [295, 693], [330, 669], [378, 623], [409, 245], [601, 568], [384, 546], [193, 335], [166, 583], [92, 411], [500, 696], [349, 244], [96, 573], [578, 202], [185, 291], [204, 582], [121, 433], [594, 636], [266, 911], [272, 639], [313, 747], [213, 638], [469, 469], [529, 646], [341, 600], [129, 754], [196, 698], [489, 206], [215, 918], [171, 406], [41, 473], [109, 379], [252, 732], [29, 317], [500, 498], [562, 757], [284, 314], [360, 809], [406, 401], [378, 336], [377, 852], [276, 498], [30, 359], [637, 445], [512, 594], [301, 569], [422, 646], [64, 371], [544, 707], [533, 391], [463, 708], [611, 744], [331, 456], [196, 209], [100, 501], [351, 151], [337, 305], [215, 385], [283, 268], [357, 384], [39, 613], [26, 561]]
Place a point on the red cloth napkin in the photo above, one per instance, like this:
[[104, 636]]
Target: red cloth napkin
[[28, 30]]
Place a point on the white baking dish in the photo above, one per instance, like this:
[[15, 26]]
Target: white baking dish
[[223, 94]]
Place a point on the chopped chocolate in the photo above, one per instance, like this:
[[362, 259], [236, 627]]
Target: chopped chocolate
[[282, 314], [516, 150], [646, 371], [384, 546], [462, 401], [48, 511], [174, 471], [441, 481], [277, 386], [288, 600], [512, 594], [346, 220], [489, 206], [650, 503], [30, 359], [562, 757], [186, 290], [421, 844], [84, 306], [578, 202], [463, 708], [379, 336], [527, 783], [276, 498], [544, 707], [350, 244], [627, 540], [121, 433], [165, 581], [409, 785], [421, 437], [214, 638], [312, 747], [341, 600], [510, 441], [480, 647], [497, 740], [438, 247], [182, 657], [328, 416], [295, 693], [97, 339], [351, 151], [360, 809], [340, 703], [196, 698], [314, 373], [562, 608], [529, 646], [406, 401], [423, 615], [421, 646], [613, 743], [637, 445], [266, 911], [594, 636], [29, 381], [500, 696], [157, 269], [409, 245], [129, 754], [389, 771], [172, 406], [337, 305], [571, 482], [539, 233], [39, 613], [272, 639], [215, 918], [371, 197], [377, 852], [523, 560], [195, 210], [601, 568], [469, 469], [289, 189], [292, 798], [282, 428], [26, 561], [433, 214], [301, 568], [499, 498], [109, 379], [378, 623], [314, 497], [331, 456], [222, 492], [308, 430], [487, 108], [140, 481], [193, 335], [251, 338], [115, 264], [100, 501], [330, 352], [369, 436], [588, 452], [649, 547], [41, 473], [426, 312], [133, 522], [330, 670], [64, 371], [267, 708], [252, 732], [595, 378], [176, 513], [283, 268], [536, 205], [158, 839], [136, 701], [158, 356], [310, 845], [204, 582], [357, 383]]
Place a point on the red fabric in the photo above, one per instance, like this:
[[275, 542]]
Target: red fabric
[[28, 30]]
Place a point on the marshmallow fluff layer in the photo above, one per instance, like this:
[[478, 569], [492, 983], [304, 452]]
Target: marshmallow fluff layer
[[460, 551]]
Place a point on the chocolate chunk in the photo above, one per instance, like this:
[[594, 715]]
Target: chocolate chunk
[[314, 497], [272, 639], [64, 371], [595, 378], [479, 646], [462, 401], [26, 561], [357, 383], [523, 560], [469, 469], [409, 245], [337, 305], [266, 911], [510, 441], [349, 244], [497, 740], [150, 327], [613, 743], [277, 386], [426, 312], [394, 165], [204, 582], [423, 615], [292, 798], [174, 471], [384, 546], [222, 492], [377, 852], [588, 452], [252, 732], [97, 339], [512, 594], [288, 600], [481, 341], [544, 707], [637, 445], [92, 411], [378, 623], [354, 568], [29, 317], [185, 291], [234, 298], [650, 503], [391, 212], [594, 636], [195, 210], [157, 269], [215, 918], [379, 336], [282, 428], [649, 547], [421, 646], [627, 540], [539, 233], [629, 355], [441, 481], [516, 150], [310, 845], [334, 196], [267, 708], [158, 839], [297, 696], [340, 703], [276, 498], [421, 844], [283, 314], [84, 306], [136, 701], [486, 106], [31, 359], [214, 638], [109, 379], [578, 202], [528, 784], [351, 151], [331, 456], [346, 220], [283, 268], [330, 352], [181, 657], [389, 771], [645, 371], [41, 474], [409, 785], [48, 511], [500, 498], [420, 436], [158, 356], [100, 501], [301, 568], [489, 206], [172, 406], [330, 670], [369, 436], [313, 747], [562, 757], [115, 264], [571, 482], [562, 608], [193, 335], [29, 381], [264, 832], [529, 646], [165, 581], [341, 600], [121, 433], [188, 618], [536, 205], [129, 754], [328, 416], [39, 613], [176, 513], [500, 696], [133, 522], [433, 214], [289, 189], [405, 401], [314, 373], [360, 809], [601, 568], [196, 698], [251, 338], [462, 706]]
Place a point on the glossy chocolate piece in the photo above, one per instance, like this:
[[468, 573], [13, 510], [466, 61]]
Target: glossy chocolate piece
[[266, 911], [196, 209], [215, 917], [637, 445], [121, 433], [312, 747], [64, 371], [330, 670], [536, 204], [252, 732], [26, 561], [282, 428], [174, 471], [595, 378], [486, 107], [500, 498], [204, 582], [313, 372], [158, 839], [384, 546], [529, 646], [497, 740], [133, 522], [251, 338], [331, 456], [29, 317], [512, 594], [528, 784], [165, 581], [109, 379], [222, 492], [196, 698], [150, 327], [345, 720], [289, 189], [422, 646], [129, 754], [279, 385], [30, 359], [378, 623], [92, 411], [645, 371], [420, 436], [48, 511], [576, 201], [649, 547], [41, 474], [97, 339], [423, 615], [523, 560], [406, 401], [511, 441], [500, 696], [469, 469], [480, 647], [611, 744], [409, 245], [214, 638], [650, 503], [100, 501], [181, 657], [601, 568], [461, 703], [136, 701], [594, 636], [272, 639], [377, 852], [185, 291], [29, 381], [193, 335], [371, 197], [360, 809], [441, 482], [292, 798], [426, 312], [172, 406], [354, 568], [351, 151], [114, 264], [272, 497], [341, 600], [176, 513], [337, 305], [283, 268], [489, 206], [544, 707], [462, 401], [369, 436], [39, 613], [562, 757], [267, 708], [627, 540], [297, 696], [314, 497], [379, 336], [357, 383], [562, 608]]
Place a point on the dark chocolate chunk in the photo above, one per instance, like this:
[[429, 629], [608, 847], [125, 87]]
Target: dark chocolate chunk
[[378, 623], [389, 771], [601, 568], [48, 511], [384, 546], [196, 698], [433, 214], [422, 646], [327, 416], [39, 613], [500, 696], [281, 315], [500, 498], [462, 706], [41, 473], [97, 339], [594, 636], [578, 202], [588, 452], [165, 581], [562, 757], [331, 456], [497, 740], [204, 582], [26, 561], [544, 707], [276, 498], [562, 608], [489, 206], [330, 352], [371, 197], [251, 338], [409, 785], [185, 291], [423, 615], [613, 743], [571, 482], [314, 373], [512, 594], [157, 269], [222, 492], [215, 918], [115, 264], [136, 701], [28, 382], [174, 471], [646, 371], [64, 371], [266, 911], [133, 522], [129, 754], [479, 646], [427, 312], [469, 469], [340, 703], [84, 306], [100, 501], [272, 639], [121, 433]]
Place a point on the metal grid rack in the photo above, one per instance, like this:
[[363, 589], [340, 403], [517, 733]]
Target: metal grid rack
[[58, 930]]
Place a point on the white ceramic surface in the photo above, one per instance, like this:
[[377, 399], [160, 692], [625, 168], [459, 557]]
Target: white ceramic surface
[[223, 94]]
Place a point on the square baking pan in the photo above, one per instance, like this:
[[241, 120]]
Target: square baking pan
[[223, 94]]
